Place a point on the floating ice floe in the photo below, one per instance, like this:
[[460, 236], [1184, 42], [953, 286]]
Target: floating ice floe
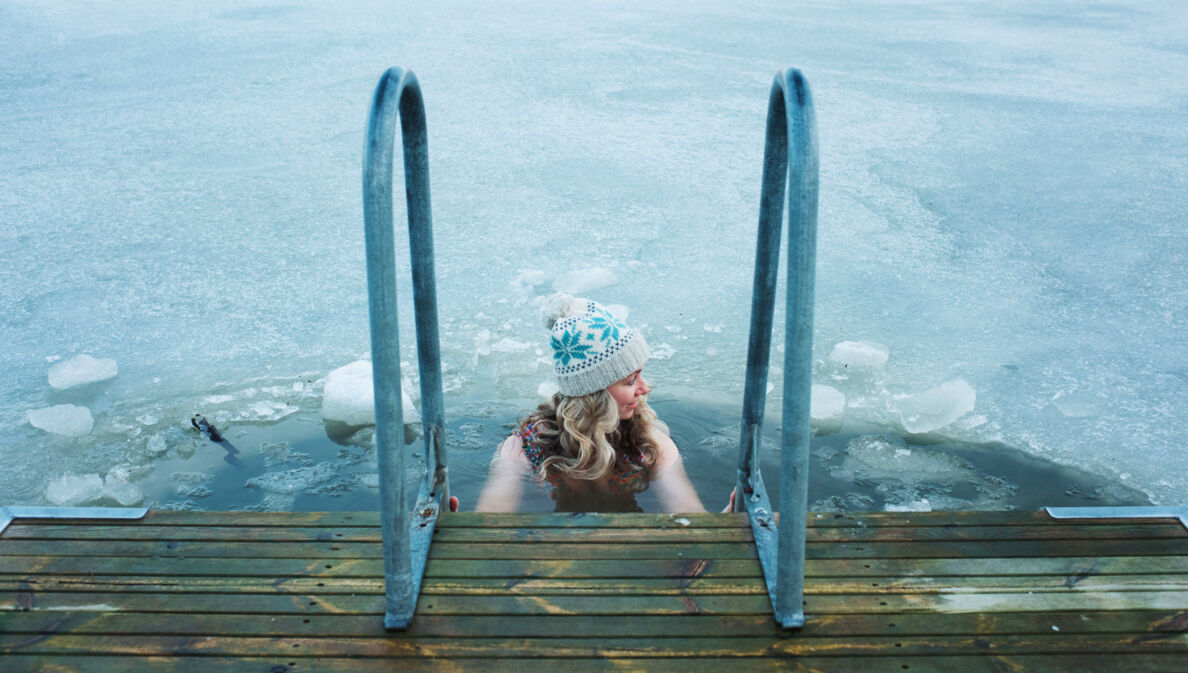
[[583, 280], [619, 311], [295, 480], [118, 487], [827, 406], [921, 505], [81, 370], [63, 419], [348, 396], [70, 490], [863, 355], [937, 407], [663, 352], [156, 445], [506, 345]]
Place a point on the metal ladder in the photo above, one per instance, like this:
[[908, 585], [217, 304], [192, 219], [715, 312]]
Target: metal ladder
[[399, 95], [789, 166], [790, 117]]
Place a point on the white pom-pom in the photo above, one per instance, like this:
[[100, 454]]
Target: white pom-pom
[[560, 306]]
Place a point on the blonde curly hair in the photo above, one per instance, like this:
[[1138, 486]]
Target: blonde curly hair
[[581, 438]]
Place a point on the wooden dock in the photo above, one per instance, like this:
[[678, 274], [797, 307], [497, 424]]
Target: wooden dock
[[279, 592]]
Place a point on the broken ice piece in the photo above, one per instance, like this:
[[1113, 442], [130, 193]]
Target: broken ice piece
[[70, 490], [80, 371], [63, 419]]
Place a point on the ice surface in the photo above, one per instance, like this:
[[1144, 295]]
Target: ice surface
[[81, 370], [348, 396], [63, 419], [71, 490], [861, 355], [937, 407], [961, 186]]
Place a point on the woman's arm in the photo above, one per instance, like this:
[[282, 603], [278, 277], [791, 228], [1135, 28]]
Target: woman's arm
[[672, 485], [505, 480]]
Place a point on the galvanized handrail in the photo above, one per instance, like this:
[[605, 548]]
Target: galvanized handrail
[[789, 112], [399, 94]]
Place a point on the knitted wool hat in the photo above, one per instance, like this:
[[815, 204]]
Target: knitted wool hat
[[591, 347]]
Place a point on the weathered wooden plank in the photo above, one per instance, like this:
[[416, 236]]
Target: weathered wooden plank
[[741, 647], [267, 543], [235, 567], [140, 531], [589, 520], [189, 548], [592, 626], [27, 566], [813, 519], [373, 604], [1061, 663], [522, 585], [1068, 531], [937, 549], [532, 550], [947, 603], [693, 585]]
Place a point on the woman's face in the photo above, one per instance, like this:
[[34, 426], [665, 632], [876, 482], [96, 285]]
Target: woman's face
[[627, 393]]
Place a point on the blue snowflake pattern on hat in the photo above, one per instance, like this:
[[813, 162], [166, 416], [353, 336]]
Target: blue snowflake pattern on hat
[[606, 322], [568, 347]]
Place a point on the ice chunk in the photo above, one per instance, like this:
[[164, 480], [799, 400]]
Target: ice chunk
[[827, 403], [583, 280], [921, 505], [369, 479], [348, 396], [935, 408], [156, 445], [63, 419], [294, 481], [509, 346], [528, 280], [663, 352], [866, 355], [118, 487], [70, 490], [81, 370], [547, 389]]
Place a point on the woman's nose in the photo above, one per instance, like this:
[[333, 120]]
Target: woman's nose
[[643, 387]]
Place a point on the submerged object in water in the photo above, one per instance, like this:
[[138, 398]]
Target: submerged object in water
[[202, 425], [199, 422]]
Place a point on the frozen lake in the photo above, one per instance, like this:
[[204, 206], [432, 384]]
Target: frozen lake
[[1001, 246]]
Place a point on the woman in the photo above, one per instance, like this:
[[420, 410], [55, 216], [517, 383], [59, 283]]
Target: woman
[[596, 443]]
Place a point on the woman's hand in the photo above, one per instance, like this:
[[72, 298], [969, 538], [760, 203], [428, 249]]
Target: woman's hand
[[730, 505]]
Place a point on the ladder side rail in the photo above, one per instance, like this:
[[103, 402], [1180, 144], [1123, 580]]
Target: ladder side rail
[[798, 344], [405, 543], [789, 169]]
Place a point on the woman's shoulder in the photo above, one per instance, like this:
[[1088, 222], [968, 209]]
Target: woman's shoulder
[[666, 449]]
